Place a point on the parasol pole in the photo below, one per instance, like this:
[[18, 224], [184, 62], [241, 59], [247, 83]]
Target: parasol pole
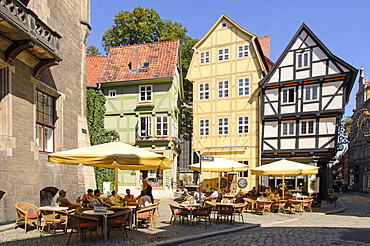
[[283, 185], [116, 180]]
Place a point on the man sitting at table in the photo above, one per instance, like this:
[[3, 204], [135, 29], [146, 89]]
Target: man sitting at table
[[64, 202], [144, 199], [206, 188], [86, 199], [113, 200], [97, 200]]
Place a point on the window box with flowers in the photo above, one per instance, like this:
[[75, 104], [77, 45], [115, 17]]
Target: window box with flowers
[[145, 104]]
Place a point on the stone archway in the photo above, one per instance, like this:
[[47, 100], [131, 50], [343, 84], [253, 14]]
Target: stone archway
[[46, 195]]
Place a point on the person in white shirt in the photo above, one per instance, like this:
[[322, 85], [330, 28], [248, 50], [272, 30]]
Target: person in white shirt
[[144, 199]]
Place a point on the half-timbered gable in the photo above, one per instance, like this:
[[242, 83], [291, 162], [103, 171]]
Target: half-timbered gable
[[303, 100]]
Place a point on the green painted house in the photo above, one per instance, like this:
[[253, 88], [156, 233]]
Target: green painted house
[[143, 87]]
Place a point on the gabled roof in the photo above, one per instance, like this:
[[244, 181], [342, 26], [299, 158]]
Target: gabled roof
[[260, 56], [163, 58], [94, 68], [352, 70], [222, 17]]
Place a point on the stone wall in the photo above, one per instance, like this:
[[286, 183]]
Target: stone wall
[[24, 172]]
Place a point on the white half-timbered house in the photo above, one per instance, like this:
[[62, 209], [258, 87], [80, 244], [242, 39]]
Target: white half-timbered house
[[303, 100]]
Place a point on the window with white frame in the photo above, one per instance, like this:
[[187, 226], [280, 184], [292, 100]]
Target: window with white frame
[[203, 91], [243, 123], [162, 126], [303, 60], [223, 89], [112, 94], [243, 51], [45, 117], [223, 25], [145, 126], [288, 128], [204, 127], [204, 57], [223, 54], [307, 127], [145, 93], [243, 87], [288, 95], [223, 126], [310, 93]]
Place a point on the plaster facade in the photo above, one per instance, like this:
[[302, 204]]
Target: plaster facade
[[30, 87]]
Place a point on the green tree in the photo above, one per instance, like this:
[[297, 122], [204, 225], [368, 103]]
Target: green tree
[[144, 25], [95, 111], [92, 51]]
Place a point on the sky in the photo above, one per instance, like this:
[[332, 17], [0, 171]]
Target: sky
[[342, 25]]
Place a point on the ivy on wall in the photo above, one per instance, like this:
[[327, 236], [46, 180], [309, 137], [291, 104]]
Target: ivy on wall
[[95, 110]]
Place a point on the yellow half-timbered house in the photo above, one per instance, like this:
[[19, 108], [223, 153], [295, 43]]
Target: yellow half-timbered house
[[227, 64]]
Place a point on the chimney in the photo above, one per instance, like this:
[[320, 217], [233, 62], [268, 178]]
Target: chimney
[[134, 59], [265, 45]]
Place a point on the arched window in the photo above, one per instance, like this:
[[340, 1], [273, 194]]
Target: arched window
[[46, 195]]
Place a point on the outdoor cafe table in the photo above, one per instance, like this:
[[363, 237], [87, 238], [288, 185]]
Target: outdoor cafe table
[[105, 216], [228, 197], [299, 203], [190, 207]]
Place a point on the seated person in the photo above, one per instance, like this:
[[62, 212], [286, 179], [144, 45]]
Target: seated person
[[129, 197], [287, 193], [113, 200], [239, 197], [252, 193], [217, 194], [184, 192], [199, 198], [97, 200], [275, 195], [206, 188], [268, 191], [64, 202], [144, 199], [86, 199]]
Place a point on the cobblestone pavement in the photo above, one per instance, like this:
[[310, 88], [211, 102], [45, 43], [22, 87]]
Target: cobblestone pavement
[[351, 227]]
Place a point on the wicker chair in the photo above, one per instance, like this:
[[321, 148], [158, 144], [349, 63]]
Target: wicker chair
[[146, 213], [53, 218], [27, 212], [264, 206], [178, 212], [157, 202], [225, 212], [239, 209], [307, 204], [203, 213], [82, 224], [118, 220]]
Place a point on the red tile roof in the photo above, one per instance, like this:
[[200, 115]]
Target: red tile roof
[[94, 68], [162, 56]]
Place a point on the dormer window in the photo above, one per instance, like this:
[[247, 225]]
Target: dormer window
[[303, 60], [223, 25], [145, 65]]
